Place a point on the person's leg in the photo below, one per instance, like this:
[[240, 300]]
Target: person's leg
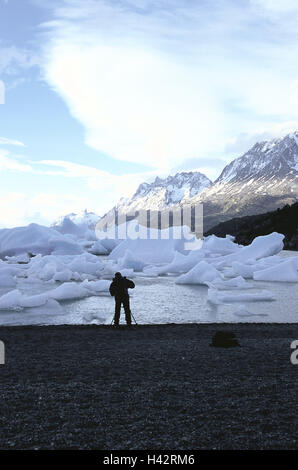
[[127, 310], [117, 311]]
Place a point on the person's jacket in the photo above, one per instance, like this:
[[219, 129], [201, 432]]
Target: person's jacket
[[119, 287]]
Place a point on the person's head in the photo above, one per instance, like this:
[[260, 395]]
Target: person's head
[[118, 275]]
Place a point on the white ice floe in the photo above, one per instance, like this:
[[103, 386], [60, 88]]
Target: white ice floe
[[15, 300], [153, 246], [200, 274], [35, 239], [261, 247], [180, 263], [68, 291], [222, 246], [97, 248], [21, 259], [286, 271], [97, 286], [234, 283], [130, 261], [242, 311], [65, 268], [223, 298]]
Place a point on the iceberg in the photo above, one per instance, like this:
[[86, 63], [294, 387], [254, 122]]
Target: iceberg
[[36, 239], [216, 297], [200, 274], [286, 271]]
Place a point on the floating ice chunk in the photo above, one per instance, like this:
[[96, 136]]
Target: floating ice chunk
[[63, 276], [35, 239], [78, 231], [80, 265], [68, 291], [22, 259], [33, 300], [222, 298], [287, 271], [129, 260], [65, 268], [182, 263], [97, 286], [7, 275], [97, 248], [154, 246], [200, 274], [149, 251], [242, 311], [15, 300], [248, 269], [151, 272], [7, 280], [11, 300], [111, 268], [236, 282], [110, 244], [261, 247], [223, 246], [244, 270]]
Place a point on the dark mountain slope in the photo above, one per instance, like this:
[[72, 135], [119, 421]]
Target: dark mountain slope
[[245, 229]]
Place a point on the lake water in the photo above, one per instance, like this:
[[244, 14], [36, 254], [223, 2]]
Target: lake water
[[160, 300]]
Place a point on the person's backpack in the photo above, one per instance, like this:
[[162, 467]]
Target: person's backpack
[[112, 289]]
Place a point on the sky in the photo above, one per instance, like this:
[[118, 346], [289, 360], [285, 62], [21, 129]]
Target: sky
[[98, 96]]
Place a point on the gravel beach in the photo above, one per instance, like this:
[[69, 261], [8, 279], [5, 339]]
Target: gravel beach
[[148, 387]]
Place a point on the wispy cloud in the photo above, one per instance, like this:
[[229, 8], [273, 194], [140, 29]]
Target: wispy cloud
[[5, 141], [19, 208], [109, 186], [245, 140], [9, 163], [14, 59]]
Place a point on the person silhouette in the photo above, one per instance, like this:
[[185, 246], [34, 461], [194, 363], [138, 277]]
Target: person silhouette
[[119, 289]]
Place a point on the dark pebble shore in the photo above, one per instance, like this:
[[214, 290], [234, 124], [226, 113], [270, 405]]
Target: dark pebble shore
[[148, 387]]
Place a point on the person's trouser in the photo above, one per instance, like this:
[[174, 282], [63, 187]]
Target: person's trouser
[[125, 302]]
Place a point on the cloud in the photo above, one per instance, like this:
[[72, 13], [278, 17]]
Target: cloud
[[156, 83], [244, 141], [18, 208], [130, 103], [14, 59], [5, 141], [276, 5], [96, 190], [108, 185], [9, 163]]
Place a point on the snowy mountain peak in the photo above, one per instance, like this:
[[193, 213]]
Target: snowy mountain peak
[[263, 179], [89, 219], [171, 190], [276, 158], [163, 193]]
